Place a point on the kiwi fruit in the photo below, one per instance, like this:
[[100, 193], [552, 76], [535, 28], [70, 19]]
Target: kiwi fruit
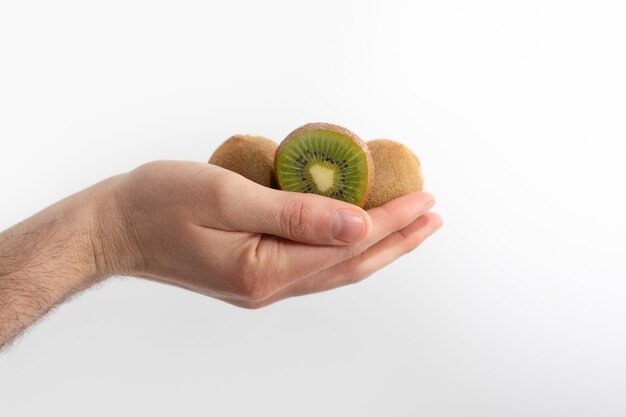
[[398, 172], [249, 156], [325, 159]]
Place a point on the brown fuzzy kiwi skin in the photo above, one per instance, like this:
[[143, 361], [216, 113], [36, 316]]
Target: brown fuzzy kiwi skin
[[249, 156], [343, 131], [398, 172]]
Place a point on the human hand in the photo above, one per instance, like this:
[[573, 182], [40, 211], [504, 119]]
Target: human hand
[[214, 232], [204, 228]]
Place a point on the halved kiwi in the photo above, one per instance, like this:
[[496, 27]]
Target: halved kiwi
[[250, 156], [398, 172], [325, 159]]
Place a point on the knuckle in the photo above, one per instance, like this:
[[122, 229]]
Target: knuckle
[[413, 245], [146, 171], [254, 291], [222, 197], [254, 305], [409, 242], [356, 274], [295, 219], [353, 279], [356, 277], [353, 251], [149, 166], [252, 282]]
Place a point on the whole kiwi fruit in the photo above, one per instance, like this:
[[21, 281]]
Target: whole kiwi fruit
[[250, 156], [398, 172], [325, 159]]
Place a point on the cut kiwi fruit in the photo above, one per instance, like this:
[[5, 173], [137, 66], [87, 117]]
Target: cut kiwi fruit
[[250, 156], [325, 159], [398, 172]]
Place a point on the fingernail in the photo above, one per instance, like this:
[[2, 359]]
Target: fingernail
[[427, 207], [348, 225]]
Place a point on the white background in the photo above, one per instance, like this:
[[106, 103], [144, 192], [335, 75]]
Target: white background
[[517, 110]]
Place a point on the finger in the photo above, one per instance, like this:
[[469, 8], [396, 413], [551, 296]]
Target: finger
[[308, 218], [288, 261], [376, 257], [362, 266]]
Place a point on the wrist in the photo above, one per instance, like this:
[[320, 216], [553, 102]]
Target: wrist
[[113, 233], [76, 241]]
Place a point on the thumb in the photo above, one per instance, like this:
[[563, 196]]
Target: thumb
[[306, 218]]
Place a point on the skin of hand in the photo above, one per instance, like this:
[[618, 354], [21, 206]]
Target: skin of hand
[[203, 228]]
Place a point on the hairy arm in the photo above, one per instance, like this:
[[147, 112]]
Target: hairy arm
[[47, 258], [200, 227]]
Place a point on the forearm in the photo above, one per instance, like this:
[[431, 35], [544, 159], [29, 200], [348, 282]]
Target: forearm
[[199, 227], [48, 257]]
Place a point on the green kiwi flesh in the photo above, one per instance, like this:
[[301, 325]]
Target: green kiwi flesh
[[327, 160]]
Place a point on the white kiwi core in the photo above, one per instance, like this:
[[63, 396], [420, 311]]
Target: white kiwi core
[[324, 177]]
